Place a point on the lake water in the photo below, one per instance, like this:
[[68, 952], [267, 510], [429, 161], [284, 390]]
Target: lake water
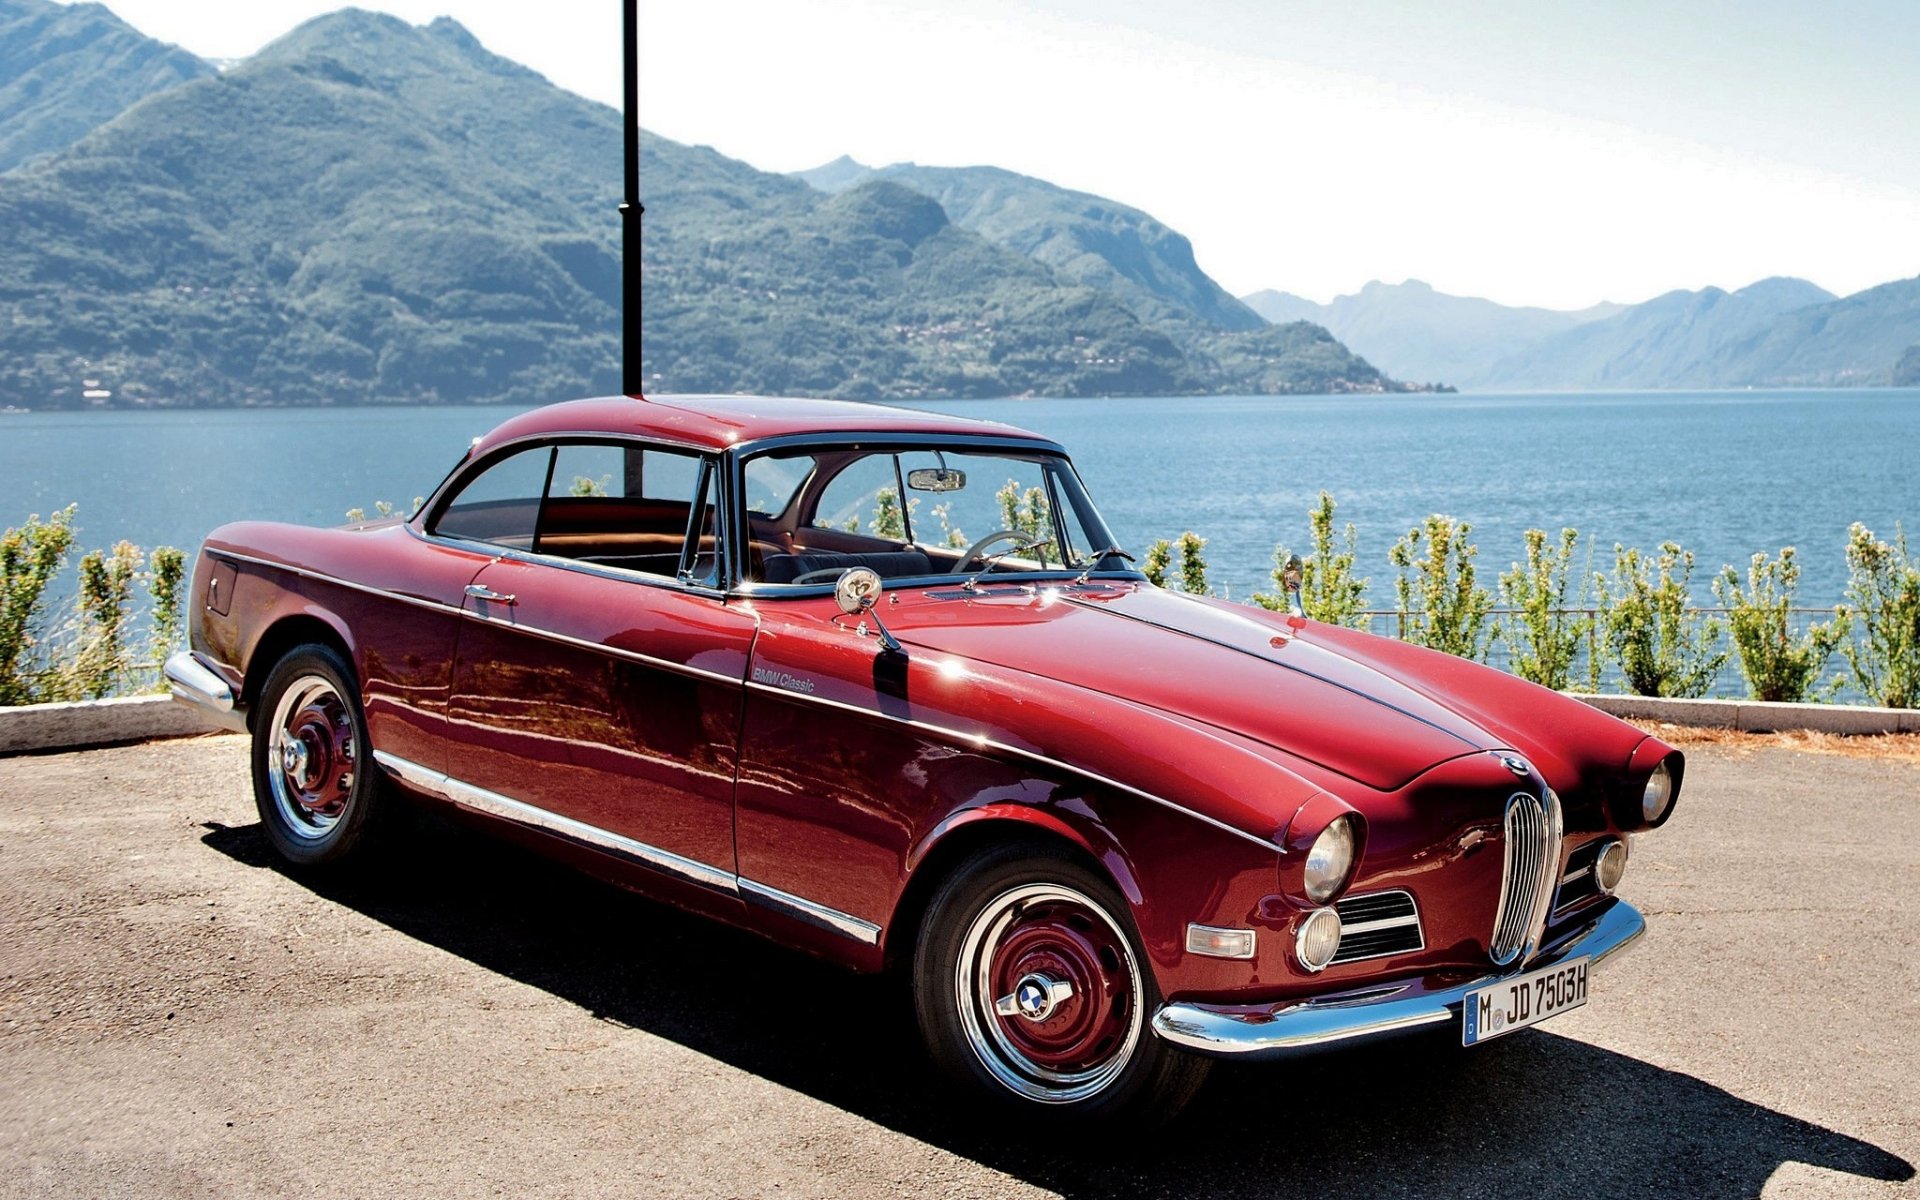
[[1723, 473]]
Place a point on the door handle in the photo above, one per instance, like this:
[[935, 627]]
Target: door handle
[[480, 591]]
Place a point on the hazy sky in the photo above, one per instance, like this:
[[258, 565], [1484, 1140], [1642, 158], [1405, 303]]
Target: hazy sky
[[1534, 152]]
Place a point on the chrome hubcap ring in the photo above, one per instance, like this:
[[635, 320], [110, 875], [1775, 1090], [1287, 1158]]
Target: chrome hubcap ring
[[310, 762], [1048, 992]]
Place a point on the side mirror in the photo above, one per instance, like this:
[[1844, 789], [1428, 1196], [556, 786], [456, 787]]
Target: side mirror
[[856, 592], [1291, 575]]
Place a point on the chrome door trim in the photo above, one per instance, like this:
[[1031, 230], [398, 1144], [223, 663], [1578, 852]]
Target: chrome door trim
[[802, 909], [518, 812], [493, 804]]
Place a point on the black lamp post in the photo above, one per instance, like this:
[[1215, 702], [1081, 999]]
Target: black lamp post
[[630, 212]]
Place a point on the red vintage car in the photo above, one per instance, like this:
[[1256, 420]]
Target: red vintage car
[[881, 685]]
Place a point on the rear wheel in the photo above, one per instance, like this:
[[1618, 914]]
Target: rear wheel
[[1029, 984], [314, 781]]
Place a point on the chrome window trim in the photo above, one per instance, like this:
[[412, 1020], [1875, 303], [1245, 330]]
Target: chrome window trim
[[496, 551], [519, 812], [981, 741], [711, 460]]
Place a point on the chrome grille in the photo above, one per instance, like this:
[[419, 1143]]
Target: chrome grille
[[1376, 925], [1532, 866]]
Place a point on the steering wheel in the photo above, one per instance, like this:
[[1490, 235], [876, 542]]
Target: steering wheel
[[974, 551]]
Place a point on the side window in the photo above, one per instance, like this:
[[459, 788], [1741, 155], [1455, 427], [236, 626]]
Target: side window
[[501, 504], [666, 475], [863, 498], [586, 469], [772, 480], [703, 561], [631, 507]]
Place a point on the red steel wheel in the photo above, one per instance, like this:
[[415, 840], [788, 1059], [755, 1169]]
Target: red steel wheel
[[1029, 982], [314, 780], [1049, 992]]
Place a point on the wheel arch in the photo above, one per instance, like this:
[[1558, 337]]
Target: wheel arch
[[293, 629], [958, 839]]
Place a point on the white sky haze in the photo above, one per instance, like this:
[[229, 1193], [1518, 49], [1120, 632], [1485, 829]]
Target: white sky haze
[[1531, 153]]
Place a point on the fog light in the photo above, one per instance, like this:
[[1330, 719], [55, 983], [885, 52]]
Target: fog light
[[1318, 939], [1219, 943], [1610, 866]]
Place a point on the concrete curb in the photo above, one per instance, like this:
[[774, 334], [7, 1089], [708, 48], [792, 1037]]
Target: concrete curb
[[86, 723], [1758, 716]]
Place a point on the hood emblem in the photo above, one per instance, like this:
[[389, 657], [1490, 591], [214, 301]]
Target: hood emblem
[[1517, 765]]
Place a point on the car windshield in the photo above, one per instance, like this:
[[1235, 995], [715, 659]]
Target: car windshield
[[913, 513]]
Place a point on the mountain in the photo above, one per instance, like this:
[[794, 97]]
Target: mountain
[[65, 70], [1280, 308], [1906, 372], [1862, 339], [372, 211], [365, 210], [1415, 332], [1085, 239], [1680, 339]]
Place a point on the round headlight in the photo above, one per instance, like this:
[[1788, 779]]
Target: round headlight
[[1658, 794], [1610, 866], [1318, 940], [1330, 861]]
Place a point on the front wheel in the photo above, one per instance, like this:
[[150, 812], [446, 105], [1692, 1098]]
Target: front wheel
[[1029, 984], [314, 780]]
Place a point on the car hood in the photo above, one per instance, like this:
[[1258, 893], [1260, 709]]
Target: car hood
[[1206, 661]]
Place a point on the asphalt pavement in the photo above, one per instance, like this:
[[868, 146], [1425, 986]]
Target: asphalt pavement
[[179, 1016]]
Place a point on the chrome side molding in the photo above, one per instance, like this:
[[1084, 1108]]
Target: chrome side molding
[[506, 808]]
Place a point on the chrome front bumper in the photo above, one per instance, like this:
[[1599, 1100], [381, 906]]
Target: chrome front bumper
[[1292, 1027], [192, 680]]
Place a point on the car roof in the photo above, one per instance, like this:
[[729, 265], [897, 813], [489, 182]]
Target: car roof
[[721, 422]]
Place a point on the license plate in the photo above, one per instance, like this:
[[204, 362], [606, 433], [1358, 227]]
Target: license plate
[[1523, 1000]]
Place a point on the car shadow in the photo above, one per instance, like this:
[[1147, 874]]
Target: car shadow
[[1535, 1115]]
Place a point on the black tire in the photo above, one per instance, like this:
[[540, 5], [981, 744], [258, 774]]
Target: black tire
[[1012, 919], [310, 735]]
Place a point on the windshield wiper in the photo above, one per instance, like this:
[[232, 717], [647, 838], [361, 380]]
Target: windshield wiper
[[1095, 560], [987, 562]]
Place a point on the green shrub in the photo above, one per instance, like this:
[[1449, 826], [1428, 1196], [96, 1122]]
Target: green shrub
[[106, 587], [1442, 607], [1027, 514], [1158, 560], [1661, 647], [1158, 563], [1329, 593], [30, 557], [166, 575], [1546, 636], [1883, 602], [1778, 664]]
